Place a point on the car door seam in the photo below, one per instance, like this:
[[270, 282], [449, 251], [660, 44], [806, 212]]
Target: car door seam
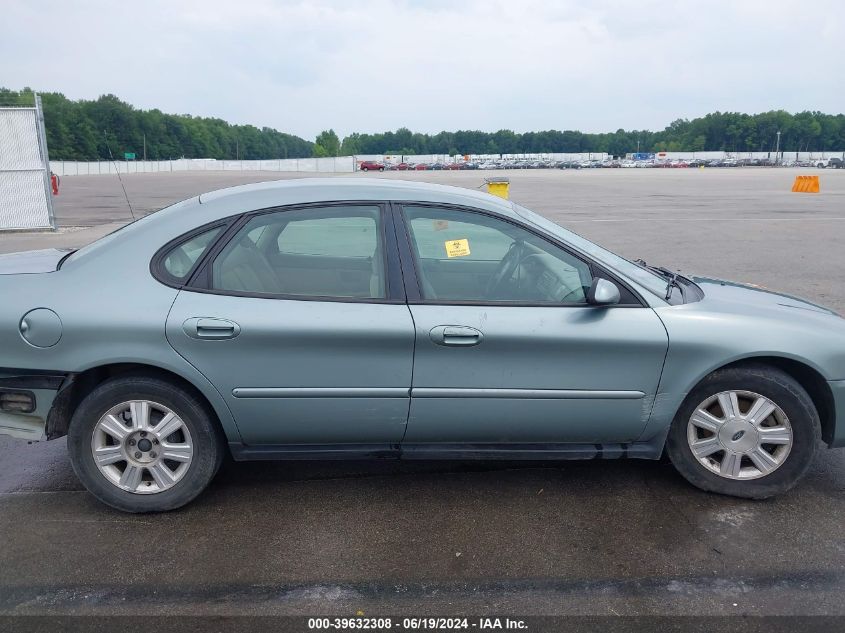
[[197, 369], [413, 366], [659, 378]]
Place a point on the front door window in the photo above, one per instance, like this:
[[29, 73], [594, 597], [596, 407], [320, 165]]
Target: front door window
[[471, 257]]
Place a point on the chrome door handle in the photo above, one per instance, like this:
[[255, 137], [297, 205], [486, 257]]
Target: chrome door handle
[[208, 328], [455, 335]]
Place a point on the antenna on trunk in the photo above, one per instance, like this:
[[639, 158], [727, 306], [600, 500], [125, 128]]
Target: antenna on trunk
[[117, 169]]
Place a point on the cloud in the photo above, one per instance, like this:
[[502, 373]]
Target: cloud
[[373, 65]]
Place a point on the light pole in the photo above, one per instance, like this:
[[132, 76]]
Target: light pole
[[777, 149]]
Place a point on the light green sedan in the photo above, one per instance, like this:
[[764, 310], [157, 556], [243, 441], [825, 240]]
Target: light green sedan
[[355, 318]]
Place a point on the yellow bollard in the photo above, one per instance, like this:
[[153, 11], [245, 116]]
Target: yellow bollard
[[806, 184], [498, 186]]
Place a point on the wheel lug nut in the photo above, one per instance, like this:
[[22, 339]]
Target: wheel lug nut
[[155, 441], [131, 442], [153, 455], [138, 455], [143, 434]]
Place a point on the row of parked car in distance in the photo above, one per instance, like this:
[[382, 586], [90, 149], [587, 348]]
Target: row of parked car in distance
[[833, 163]]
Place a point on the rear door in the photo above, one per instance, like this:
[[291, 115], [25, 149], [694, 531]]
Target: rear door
[[298, 321], [507, 348]]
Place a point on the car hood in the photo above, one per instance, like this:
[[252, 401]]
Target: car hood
[[755, 296], [41, 261]]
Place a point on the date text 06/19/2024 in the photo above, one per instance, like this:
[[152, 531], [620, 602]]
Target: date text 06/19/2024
[[416, 624]]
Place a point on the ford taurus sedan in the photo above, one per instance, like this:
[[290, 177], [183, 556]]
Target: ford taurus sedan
[[350, 318]]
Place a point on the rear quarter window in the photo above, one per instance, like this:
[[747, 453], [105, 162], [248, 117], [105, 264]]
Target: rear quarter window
[[179, 261]]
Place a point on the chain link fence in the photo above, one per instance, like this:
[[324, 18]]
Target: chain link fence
[[25, 198]]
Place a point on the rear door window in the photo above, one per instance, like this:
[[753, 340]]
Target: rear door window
[[332, 252]]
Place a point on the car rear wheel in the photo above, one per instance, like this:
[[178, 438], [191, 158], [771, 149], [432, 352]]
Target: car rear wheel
[[747, 431], [365, 169], [139, 444]]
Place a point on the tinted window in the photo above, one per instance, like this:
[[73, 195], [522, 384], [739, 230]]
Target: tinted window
[[181, 260], [465, 256], [327, 252], [341, 237]]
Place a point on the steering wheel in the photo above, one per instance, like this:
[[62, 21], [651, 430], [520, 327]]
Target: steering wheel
[[507, 267], [569, 294]]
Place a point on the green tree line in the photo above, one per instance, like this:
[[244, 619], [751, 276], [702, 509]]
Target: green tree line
[[85, 130], [725, 131]]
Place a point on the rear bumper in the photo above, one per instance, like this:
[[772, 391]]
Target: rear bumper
[[837, 437], [32, 425], [29, 426]]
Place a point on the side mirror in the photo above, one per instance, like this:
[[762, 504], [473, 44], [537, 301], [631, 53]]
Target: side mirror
[[603, 293]]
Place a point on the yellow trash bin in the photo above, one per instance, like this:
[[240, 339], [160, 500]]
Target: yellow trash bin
[[498, 186]]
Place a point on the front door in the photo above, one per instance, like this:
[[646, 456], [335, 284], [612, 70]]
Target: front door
[[300, 329], [508, 349]]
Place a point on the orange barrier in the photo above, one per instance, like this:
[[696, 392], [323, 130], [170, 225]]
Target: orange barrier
[[806, 184]]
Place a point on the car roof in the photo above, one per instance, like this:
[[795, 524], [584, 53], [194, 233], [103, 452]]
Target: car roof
[[158, 228], [275, 193]]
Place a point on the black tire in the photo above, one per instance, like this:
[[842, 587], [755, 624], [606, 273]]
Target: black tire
[[365, 169], [208, 445], [781, 389], [381, 168]]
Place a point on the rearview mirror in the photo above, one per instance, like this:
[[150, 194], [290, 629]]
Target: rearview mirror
[[603, 293]]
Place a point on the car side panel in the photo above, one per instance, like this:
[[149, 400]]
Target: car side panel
[[303, 371], [111, 311], [539, 374], [710, 334]]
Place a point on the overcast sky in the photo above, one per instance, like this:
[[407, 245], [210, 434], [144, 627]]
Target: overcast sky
[[361, 65]]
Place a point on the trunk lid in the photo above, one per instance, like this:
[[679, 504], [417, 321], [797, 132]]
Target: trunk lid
[[40, 261]]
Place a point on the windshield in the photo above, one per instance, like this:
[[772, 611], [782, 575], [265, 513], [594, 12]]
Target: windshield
[[649, 280]]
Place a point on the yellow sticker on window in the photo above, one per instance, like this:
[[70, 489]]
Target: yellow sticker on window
[[457, 248]]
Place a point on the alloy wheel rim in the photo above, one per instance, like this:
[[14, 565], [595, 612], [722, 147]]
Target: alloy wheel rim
[[142, 447], [739, 435]]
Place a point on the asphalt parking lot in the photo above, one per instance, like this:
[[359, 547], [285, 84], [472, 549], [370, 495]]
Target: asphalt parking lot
[[612, 537]]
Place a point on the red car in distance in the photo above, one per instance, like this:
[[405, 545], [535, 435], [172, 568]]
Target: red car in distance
[[371, 165]]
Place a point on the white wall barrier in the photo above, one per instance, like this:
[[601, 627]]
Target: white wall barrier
[[346, 164], [782, 156], [338, 164]]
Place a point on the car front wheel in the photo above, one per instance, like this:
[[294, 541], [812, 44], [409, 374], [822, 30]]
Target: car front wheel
[[139, 444], [746, 431]]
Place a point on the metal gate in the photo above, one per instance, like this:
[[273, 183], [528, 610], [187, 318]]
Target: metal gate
[[25, 196]]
